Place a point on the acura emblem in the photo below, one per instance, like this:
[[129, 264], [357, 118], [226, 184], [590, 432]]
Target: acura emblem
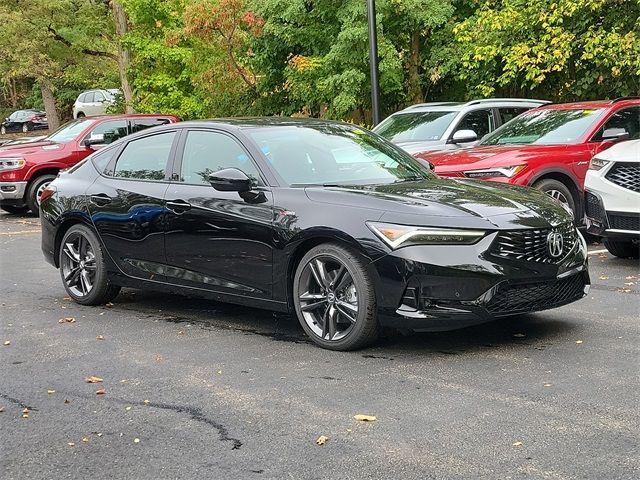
[[554, 244]]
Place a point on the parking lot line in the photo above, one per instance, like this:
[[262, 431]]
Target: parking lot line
[[20, 232]]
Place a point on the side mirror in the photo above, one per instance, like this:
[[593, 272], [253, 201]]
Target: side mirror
[[230, 180], [615, 134], [464, 136], [95, 139]]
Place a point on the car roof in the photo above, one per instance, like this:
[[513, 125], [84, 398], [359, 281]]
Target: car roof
[[622, 101], [126, 116], [253, 122], [486, 102]]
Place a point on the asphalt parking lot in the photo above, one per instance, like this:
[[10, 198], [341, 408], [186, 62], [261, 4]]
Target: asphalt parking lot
[[197, 389]]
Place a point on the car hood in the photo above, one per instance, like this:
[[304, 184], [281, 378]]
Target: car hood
[[425, 146], [28, 148], [458, 200], [628, 151], [488, 156]]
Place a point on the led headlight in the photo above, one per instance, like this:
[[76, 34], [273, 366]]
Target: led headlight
[[11, 163], [496, 172], [402, 235], [597, 164]]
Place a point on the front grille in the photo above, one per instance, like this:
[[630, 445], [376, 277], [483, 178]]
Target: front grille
[[532, 297], [619, 221], [594, 208], [530, 245], [626, 175]]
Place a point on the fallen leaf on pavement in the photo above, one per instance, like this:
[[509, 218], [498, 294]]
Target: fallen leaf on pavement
[[625, 290], [51, 391], [25, 413], [108, 305], [146, 402], [322, 440], [365, 418], [604, 277], [219, 372], [85, 439], [517, 444], [102, 391], [71, 444], [99, 337], [8, 342], [136, 440], [547, 385], [1, 409], [93, 379], [630, 277], [128, 408], [180, 332], [67, 320], [67, 400], [578, 342]]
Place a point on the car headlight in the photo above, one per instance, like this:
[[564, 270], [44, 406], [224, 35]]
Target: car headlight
[[508, 172], [598, 164], [11, 163], [402, 235]]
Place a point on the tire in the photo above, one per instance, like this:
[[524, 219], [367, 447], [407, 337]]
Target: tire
[[327, 311], [14, 209], [35, 190], [25, 127], [559, 191], [622, 248], [80, 115], [3, 130], [82, 268]]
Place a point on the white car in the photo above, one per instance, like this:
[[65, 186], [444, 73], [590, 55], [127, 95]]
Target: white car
[[612, 198], [94, 102]]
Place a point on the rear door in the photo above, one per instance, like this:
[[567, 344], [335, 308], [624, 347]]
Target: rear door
[[127, 204], [215, 240]]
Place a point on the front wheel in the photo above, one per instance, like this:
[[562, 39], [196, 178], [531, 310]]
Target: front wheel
[[3, 130], [34, 192], [622, 248], [25, 127], [334, 298], [559, 191], [83, 269]]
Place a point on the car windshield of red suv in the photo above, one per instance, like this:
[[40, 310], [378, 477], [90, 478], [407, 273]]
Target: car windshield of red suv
[[416, 127], [68, 132], [545, 127]]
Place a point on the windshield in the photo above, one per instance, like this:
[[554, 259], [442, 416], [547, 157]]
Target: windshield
[[69, 131], [545, 127], [326, 154], [416, 126]]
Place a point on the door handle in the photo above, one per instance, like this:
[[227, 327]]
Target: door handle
[[101, 199], [178, 206]]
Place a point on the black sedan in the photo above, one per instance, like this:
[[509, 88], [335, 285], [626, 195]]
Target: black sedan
[[24, 121], [323, 219]]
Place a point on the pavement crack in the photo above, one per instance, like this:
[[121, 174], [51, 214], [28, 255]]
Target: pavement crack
[[17, 402]]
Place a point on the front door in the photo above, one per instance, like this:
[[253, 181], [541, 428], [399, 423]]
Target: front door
[[127, 205], [215, 240]]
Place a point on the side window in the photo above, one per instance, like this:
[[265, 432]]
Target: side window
[[14, 116], [109, 131], [140, 124], [507, 114], [102, 158], [82, 98], [145, 158], [624, 123], [98, 97], [480, 121], [208, 152], [88, 97]]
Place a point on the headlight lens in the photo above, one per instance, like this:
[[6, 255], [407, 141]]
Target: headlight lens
[[496, 172], [402, 235], [598, 164], [11, 163]]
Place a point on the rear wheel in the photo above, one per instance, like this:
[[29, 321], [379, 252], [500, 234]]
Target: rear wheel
[[34, 192], [334, 298], [14, 209], [622, 248], [82, 268]]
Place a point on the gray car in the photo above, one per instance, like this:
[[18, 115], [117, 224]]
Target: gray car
[[450, 125]]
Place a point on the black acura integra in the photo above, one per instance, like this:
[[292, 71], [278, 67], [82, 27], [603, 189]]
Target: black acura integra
[[319, 218]]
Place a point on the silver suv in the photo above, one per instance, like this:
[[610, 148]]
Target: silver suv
[[94, 102], [450, 125]]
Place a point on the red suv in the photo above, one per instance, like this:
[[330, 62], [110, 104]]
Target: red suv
[[27, 169], [548, 147]]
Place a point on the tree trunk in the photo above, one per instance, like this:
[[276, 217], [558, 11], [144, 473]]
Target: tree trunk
[[49, 103], [414, 91], [124, 54]]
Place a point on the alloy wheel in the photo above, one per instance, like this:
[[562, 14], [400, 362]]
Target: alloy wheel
[[328, 298], [78, 264], [41, 189], [558, 195]]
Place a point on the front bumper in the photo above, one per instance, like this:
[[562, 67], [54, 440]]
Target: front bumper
[[436, 288], [12, 190]]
